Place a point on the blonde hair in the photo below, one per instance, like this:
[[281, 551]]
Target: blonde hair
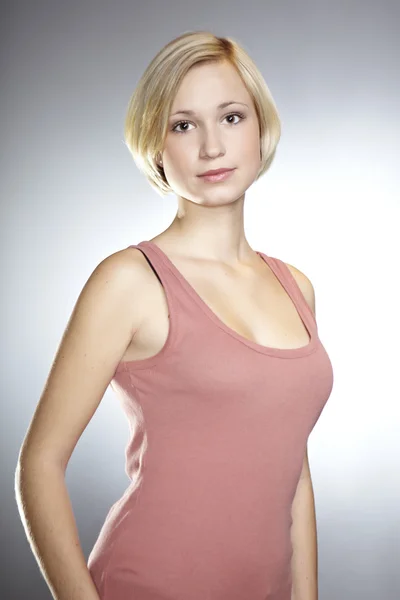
[[146, 120]]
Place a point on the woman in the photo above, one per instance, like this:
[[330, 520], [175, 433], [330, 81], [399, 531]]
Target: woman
[[214, 352]]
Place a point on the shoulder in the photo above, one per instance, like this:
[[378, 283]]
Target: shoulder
[[126, 269], [122, 279], [127, 266], [304, 284]]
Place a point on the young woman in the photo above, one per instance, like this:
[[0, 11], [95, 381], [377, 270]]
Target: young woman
[[214, 352]]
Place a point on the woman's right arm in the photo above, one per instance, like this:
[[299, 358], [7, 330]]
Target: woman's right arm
[[99, 330]]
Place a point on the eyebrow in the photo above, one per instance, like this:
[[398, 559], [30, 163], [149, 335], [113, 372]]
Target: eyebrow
[[223, 105]]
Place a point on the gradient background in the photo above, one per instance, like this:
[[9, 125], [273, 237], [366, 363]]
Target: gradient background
[[71, 195]]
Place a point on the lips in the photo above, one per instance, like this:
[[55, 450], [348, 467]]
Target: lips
[[215, 172]]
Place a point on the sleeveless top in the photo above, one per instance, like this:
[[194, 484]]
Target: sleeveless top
[[219, 427]]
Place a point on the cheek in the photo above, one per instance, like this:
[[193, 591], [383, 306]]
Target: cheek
[[179, 166], [177, 155], [250, 155], [251, 139]]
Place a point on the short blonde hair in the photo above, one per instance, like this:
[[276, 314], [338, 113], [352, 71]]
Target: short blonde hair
[[149, 107]]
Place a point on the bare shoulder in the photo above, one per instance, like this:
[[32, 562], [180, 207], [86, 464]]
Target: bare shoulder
[[304, 284], [133, 269], [117, 280], [128, 262], [127, 267]]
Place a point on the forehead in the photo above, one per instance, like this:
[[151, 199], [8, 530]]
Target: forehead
[[210, 83]]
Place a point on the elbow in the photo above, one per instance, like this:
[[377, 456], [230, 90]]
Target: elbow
[[33, 462]]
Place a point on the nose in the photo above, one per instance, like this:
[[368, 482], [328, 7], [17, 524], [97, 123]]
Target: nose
[[211, 143]]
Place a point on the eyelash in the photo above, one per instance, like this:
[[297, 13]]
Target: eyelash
[[230, 115]]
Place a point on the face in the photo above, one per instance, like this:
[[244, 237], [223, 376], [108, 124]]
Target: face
[[211, 137]]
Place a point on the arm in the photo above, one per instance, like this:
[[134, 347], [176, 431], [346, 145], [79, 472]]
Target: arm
[[99, 330], [304, 539]]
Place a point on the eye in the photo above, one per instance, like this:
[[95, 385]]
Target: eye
[[180, 123]]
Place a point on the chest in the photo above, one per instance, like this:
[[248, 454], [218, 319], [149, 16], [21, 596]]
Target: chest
[[253, 304]]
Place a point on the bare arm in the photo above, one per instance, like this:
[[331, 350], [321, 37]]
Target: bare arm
[[304, 539], [100, 329], [50, 527]]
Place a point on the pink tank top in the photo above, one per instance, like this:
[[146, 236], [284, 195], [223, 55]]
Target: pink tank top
[[219, 428]]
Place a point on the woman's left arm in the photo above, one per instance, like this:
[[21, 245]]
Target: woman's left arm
[[304, 539]]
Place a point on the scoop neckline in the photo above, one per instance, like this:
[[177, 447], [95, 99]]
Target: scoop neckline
[[305, 350]]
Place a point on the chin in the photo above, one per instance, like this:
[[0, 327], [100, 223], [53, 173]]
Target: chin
[[221, 198]]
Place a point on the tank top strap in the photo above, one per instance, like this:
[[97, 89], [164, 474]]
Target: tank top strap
[[291, 286]]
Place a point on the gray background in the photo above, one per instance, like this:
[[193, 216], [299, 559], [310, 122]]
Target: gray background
[[71, 195]]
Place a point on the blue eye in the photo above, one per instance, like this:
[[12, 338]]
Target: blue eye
[[175, 130]]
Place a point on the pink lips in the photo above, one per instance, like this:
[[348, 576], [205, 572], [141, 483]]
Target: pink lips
[[217, 175], [215, 172]]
